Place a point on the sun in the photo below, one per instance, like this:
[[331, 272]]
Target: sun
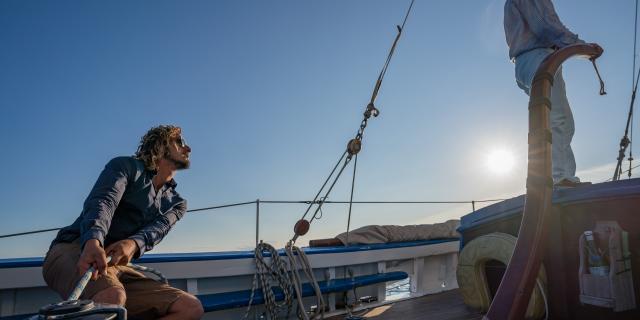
[[500, 161]]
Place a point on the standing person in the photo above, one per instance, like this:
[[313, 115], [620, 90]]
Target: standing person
[[533, 31], [131, 207]]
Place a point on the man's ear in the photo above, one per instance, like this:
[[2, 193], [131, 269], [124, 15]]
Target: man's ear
[[164, 152]]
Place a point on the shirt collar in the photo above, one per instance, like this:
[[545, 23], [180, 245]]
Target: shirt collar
[[170, 184]]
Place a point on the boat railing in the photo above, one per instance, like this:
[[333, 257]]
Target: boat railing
[[258, 203], [217, 277]]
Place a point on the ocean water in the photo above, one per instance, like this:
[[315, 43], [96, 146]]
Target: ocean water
[[399, 289]]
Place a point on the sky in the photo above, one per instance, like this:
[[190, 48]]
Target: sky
[[269, 92]]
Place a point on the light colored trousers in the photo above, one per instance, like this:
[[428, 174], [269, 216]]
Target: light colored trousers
[[562, 126]]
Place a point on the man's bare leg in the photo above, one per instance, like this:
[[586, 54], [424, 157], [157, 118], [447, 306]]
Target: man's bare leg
[[113, 295], [187, 307]]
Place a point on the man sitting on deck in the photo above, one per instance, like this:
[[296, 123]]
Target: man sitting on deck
[[131, 207]]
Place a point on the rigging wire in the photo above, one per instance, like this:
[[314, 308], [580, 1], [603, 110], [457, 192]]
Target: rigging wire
[[353, 183], [635, 37], [324, 184], [355, 144], [628, 170], [296, 257], [625, 141]]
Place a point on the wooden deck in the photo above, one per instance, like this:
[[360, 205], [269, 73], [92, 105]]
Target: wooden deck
[[442, 306]]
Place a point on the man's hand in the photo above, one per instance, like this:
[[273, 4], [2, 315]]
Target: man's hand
[[597, 46], [121, 252], [92, 256]]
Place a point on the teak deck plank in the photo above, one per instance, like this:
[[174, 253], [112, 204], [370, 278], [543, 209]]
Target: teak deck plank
[[442, 306]]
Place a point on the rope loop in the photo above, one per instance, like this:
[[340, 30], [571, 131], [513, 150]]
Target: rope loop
[[602, 92], [267, 274], [298, 260]]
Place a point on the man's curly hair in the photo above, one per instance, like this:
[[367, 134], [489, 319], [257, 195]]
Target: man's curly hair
[[155, 144]]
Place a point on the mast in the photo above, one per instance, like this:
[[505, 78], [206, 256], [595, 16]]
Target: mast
[[515, 289]]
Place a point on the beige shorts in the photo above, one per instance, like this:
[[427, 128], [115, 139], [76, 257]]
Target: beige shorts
[[146, 298]]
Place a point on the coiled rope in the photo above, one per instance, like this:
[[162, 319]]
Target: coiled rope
[[274, 273], [298, 260], [268, 274]]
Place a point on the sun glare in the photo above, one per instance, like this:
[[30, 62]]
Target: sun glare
[[500, 161]]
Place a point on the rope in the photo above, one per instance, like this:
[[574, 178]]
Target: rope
[[324, 184], [298, 260], [28, 232], [159, 274], [275, 273], [326, 195], [345, 297], [291, 202], [355, 144], [635, 37], [222, 206], [611, 179], [380, 202], [625, 141], [353, 182], [84, 280], [265, 276], [391, 51], [602, 92], [82, 283], [544, 298]]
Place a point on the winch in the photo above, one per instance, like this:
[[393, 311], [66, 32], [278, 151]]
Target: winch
[[81, 309]]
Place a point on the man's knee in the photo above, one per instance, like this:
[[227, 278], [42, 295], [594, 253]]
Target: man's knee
[[113, 295], [188, 306]]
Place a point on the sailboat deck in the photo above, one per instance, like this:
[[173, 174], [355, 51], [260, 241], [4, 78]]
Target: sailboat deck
[[447, 305]]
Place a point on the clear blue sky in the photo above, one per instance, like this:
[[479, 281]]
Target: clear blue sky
[[268, 93]]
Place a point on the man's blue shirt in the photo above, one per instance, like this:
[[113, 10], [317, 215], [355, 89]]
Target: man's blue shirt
[[533, 24], [123, 204]]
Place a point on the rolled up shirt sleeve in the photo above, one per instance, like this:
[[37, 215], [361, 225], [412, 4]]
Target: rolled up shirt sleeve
[[150, 235], [545, 23], [101, 204]]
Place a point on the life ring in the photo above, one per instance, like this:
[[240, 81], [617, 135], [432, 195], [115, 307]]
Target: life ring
[[473, 281]]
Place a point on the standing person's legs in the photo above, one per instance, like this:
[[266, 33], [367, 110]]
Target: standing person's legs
[[562, 130], [561, 118]]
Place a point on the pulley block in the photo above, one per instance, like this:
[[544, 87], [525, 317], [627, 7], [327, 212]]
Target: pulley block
[[354, 146], [301, 227]]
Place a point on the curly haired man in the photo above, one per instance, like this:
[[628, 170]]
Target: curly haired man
[[131, 207]]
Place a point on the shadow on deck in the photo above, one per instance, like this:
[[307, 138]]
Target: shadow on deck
[[442, 306]]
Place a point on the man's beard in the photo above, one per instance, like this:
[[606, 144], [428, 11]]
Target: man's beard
[[180, 164]]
